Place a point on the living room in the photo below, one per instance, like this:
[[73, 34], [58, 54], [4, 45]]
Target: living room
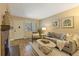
[[55, 28], [24, 26]]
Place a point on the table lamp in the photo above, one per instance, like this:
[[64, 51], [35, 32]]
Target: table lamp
[[43, 31]]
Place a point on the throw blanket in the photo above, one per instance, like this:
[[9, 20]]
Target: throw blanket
[[61, 44]]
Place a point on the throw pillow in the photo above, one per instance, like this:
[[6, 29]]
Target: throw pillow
[[63, 36], [61, 44]]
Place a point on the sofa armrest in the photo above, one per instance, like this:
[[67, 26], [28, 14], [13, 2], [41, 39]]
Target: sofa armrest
[[71, 47]]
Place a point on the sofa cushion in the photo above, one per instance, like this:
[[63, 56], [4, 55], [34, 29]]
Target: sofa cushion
[[61, 36], [57, 35], [50, 34]]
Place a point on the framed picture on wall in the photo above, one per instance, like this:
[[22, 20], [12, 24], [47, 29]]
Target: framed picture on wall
[[56, 23], [68, 22], [28, 26]]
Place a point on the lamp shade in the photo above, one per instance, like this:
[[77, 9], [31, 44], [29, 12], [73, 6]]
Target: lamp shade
[[43, 28]]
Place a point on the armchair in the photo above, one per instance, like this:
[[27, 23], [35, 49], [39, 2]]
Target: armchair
[[35, 36]]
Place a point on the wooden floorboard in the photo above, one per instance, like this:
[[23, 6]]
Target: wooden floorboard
[[24, 47]]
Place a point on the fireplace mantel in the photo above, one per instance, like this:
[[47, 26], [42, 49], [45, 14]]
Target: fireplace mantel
[[5, 27]]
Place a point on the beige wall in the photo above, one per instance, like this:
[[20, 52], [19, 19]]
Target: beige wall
[[16, 21], [16, 32], [47, 22], [2, 10]]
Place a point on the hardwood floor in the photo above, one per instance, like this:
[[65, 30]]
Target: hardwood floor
[[21, 47]]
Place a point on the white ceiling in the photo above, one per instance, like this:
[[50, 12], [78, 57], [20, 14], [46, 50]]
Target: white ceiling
[[39, 10]]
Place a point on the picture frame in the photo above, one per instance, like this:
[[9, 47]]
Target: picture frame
[[68, 22], [28, 26], [56, 23]]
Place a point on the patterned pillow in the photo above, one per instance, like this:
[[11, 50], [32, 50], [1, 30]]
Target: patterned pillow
[[51, 34], [63, 36]]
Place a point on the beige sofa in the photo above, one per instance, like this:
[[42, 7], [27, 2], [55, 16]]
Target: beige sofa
[[70, 49], [55, 51]]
